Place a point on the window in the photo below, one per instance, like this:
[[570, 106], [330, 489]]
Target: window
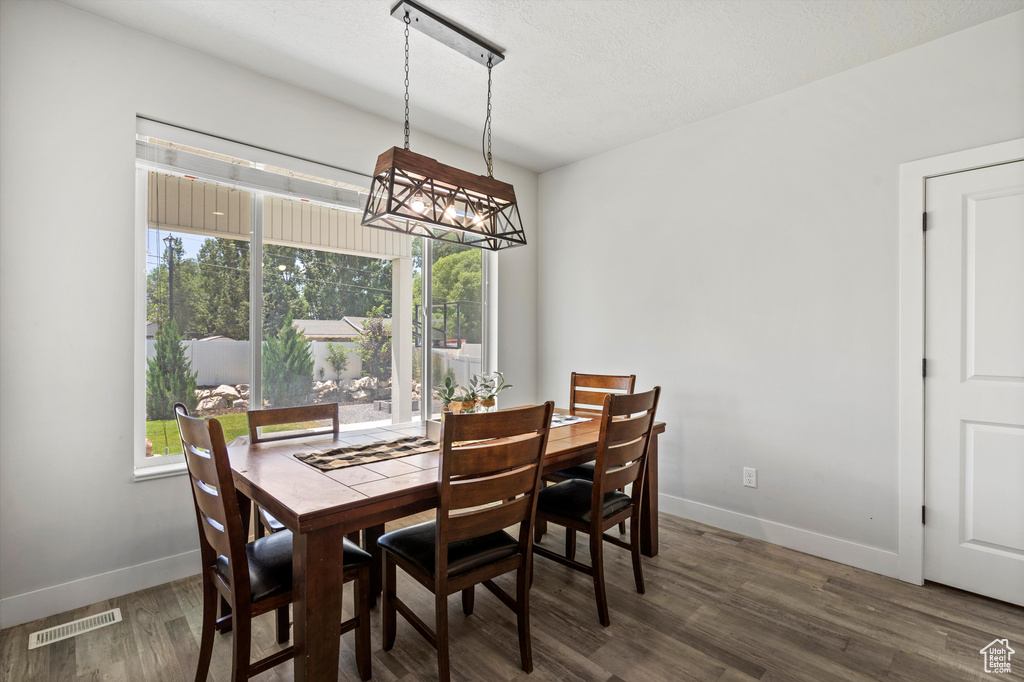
[[232, 250], [456, 303]]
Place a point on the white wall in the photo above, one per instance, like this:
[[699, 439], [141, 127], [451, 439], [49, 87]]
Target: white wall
[[751, 264], [74, 528]]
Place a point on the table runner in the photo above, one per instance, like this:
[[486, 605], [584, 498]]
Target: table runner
[[352, 455]]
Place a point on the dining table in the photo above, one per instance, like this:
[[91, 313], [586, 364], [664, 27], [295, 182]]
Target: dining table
[[321, 508]]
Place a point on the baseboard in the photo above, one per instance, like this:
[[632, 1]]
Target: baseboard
[[825, 546], [24, 608]]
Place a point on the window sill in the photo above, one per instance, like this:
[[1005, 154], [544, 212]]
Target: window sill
[[149, 473]]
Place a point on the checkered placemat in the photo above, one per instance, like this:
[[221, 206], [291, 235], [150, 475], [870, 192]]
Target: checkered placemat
[[351, 455]]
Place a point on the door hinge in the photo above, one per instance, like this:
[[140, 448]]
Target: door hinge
[[924, 367], [922, 514], [924, 221]]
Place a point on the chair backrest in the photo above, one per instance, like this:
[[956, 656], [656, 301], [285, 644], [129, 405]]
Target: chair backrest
[[489, 474], [213, 493], [292, 415], [627, 422], [587, 391]]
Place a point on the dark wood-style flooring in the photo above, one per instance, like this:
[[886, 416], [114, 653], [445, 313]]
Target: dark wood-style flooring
[[719, 606]]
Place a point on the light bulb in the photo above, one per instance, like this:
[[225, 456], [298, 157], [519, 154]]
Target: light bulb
[[282, 268], [417, 203], [450, 211]]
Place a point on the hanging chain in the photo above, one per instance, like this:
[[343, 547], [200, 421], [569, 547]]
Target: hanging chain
[[487, 124], [407, 22]]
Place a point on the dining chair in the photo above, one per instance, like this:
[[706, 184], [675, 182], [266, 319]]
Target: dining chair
[[287, 415], [593, 507], [488, 477], [586, 395], [252, 578]]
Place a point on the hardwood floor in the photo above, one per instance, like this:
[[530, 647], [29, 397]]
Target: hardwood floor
[[719, 606]]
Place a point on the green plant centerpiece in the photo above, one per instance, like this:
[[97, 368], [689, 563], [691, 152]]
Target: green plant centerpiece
[[464, 400], [446, 392], [488, 388]]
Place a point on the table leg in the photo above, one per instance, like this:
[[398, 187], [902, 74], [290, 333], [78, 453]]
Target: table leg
[[317, 561], [649, 503], [370, 537]]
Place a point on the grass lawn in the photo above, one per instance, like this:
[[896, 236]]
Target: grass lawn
[[234, 425]]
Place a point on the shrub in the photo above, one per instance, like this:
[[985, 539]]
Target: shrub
[[287, 367], [169, 376], [375, 346], [337, 358]]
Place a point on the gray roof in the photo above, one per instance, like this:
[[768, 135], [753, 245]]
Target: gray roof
[[328, 329]]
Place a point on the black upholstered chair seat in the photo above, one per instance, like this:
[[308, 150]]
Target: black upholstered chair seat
[[416, 543], [571, 500], [584, 471], [270, 564]]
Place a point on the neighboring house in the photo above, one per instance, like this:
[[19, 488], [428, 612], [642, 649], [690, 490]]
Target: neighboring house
[[345, 329], [152, 329]]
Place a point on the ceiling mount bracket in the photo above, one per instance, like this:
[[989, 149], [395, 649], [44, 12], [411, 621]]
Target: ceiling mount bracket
[[444, 31]]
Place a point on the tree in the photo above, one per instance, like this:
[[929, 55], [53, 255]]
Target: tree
[[337, 358], [281, 295], [287, 367], [335, 284], [375, 346], [457, 277], [185, 285], [169, 376], [222, 294]]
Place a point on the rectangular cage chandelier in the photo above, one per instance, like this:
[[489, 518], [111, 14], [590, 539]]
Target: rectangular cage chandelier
[[417, 195]]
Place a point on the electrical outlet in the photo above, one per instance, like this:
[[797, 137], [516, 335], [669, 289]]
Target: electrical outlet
[[750, 477]]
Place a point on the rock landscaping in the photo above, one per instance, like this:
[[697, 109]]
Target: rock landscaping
[[227, 399]]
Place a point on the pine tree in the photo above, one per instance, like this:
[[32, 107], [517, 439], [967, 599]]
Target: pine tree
[[287, 367], [169, 376]]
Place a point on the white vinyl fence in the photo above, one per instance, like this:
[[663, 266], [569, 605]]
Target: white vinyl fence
[[464, 362], [219, 361]]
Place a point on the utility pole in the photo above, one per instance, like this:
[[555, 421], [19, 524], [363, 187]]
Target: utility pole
[[170, 241]]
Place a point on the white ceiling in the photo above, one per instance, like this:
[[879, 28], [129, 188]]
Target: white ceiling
[[580, 76]]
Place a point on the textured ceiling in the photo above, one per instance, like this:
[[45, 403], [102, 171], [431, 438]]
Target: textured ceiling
[[580, 77]]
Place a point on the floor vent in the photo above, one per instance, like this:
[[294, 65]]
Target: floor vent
[[75, 627]]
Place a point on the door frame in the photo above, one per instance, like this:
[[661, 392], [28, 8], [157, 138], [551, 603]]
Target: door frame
[[913, 176]]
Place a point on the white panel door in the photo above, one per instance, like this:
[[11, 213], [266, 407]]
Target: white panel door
[[974, 390]]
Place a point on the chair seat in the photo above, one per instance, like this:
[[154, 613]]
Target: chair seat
[[272, 524], [416, 545], [571, 500], [270, 564], [583, 471]]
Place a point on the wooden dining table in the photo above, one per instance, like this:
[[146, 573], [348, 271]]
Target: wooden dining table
[[321, 508]]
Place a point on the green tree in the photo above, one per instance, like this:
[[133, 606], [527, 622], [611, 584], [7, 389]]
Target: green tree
[[375, 345], [222, 296], [337, 358], [281, 293], [158, 294], [169, 376], [287, 367], [457, 277], [336, 284]]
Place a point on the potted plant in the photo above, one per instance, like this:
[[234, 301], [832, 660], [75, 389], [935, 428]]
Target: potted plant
[[490, 386], [463, 401], [446, 392]]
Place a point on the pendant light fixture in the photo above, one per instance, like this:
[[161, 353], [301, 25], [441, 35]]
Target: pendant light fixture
[[417, 195]]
